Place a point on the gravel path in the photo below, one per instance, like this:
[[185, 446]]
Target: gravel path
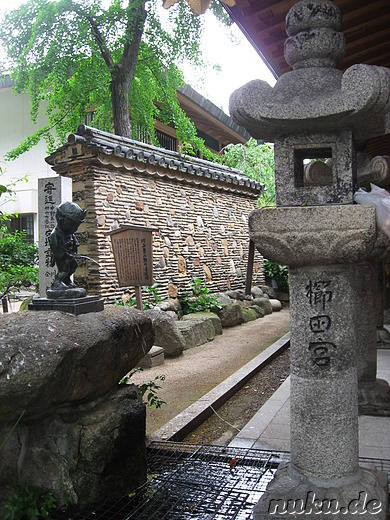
[[198, 370]]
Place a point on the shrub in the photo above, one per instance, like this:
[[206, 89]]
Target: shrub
[[199, 299], [277, 272]]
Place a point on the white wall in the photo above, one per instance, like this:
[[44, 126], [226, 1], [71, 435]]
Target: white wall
[[16, 126]]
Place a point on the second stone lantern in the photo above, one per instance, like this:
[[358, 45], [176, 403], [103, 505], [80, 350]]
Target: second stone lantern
[[318, 113]]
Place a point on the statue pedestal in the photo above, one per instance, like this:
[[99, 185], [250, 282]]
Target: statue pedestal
[[291, 495], [321, 245], [74, 306]]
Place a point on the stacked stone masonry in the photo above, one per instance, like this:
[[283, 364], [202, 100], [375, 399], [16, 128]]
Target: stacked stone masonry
[[202, 220]]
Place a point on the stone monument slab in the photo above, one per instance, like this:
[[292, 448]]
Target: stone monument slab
[[52, 191]]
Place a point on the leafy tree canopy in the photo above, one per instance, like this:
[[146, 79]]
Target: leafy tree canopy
[[118, 59], [17, 262], [7, 193], [257, 162], [17, 257]]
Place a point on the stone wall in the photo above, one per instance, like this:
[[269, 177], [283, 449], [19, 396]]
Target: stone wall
[[200, 209]]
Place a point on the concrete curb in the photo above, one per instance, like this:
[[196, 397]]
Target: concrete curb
[[194, 415]]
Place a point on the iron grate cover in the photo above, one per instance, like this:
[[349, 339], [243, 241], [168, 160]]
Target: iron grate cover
[[198, 482]]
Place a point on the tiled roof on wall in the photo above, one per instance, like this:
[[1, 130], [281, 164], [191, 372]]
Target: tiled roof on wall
[[118, 146]]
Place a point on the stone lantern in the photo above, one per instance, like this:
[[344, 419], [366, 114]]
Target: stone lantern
[[318, 117]]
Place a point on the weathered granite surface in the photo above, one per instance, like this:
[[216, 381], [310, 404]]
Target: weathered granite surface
[[167, 333], [318, 113], [81, 434], [83, 455], [196, 332], [50, 360], [315, 111], [315, 95], [340, 233], [231, 315], [202, 316]]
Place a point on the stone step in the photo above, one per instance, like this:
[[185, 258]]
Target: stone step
[[154, 358]]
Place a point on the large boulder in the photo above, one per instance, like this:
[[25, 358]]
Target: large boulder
[[167, 333], [256, 292], [249, 314], [264, 304], [268, 290], [222, 298], [205, 316], [259, 311], [231, 315], [196, 332], [49, 360], [276, 305], [83, 455], [75, 431]]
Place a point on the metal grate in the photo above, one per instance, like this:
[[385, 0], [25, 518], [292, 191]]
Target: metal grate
[[198, 482]]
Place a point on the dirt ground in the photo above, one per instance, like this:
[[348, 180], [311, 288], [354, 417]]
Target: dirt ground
[[198, 370]]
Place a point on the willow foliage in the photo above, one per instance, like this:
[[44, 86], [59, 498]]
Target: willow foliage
[[257, 162], [72, 56]]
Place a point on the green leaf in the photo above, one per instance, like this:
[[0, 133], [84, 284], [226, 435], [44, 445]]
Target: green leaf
[[257, 162], [18, 262], [70, 56]]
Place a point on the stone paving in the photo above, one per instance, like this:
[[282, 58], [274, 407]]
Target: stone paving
[[270, 427]]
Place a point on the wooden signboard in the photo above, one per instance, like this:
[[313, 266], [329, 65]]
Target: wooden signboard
[[132, 248]]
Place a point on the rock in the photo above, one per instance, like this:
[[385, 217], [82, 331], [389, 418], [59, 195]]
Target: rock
[[201, 316], [154, 358], [245, 303], [167, 334], [172, 314], [196, 332], [240, 294], [259, 311], [276, 305], [269, 291], [85, 454], [82, 435], [52, 359], [249, 314], [172, 290], [231, 315], [237, 294], [232, 295], [256, 292], [172, 304], [208, 274], [222, 298], [264, 304]]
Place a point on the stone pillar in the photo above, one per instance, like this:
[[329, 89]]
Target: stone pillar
[[52, 191], [374, 394], [318, 113], [324, 416], [383, 335], [321, 245]]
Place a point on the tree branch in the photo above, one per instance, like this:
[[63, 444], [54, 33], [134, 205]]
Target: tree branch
[[134, 30], [101, 43], [95, 30]]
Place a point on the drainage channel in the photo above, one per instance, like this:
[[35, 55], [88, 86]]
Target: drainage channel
[[198, 482], [197, 413]]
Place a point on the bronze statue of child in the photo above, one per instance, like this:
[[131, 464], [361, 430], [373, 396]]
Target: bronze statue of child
[[63, 245]]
